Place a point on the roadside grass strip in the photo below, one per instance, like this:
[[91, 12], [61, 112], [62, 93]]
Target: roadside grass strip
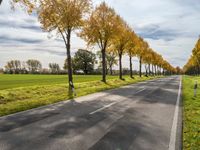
[[18, 99], [191, 120]]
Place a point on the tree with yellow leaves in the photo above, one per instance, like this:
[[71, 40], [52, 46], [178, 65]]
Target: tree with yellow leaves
[[62, 16], [120, 41], [147, 60], [196, 55], [141, 51], [131, 49], [100, 29], [192, 67]]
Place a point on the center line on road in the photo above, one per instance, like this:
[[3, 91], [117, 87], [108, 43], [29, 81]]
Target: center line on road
[[100, 109], [139, 91]]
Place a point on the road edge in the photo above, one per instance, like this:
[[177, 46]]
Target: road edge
[[176, 121]]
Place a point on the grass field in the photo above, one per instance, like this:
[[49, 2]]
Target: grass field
[[13, 81], [23, 92], [191, 127]]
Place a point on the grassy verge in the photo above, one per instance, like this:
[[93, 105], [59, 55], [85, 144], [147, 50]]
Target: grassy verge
[[191, 127], [13, 81], [23, 98]]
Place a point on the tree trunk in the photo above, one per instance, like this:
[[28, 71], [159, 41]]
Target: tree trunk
[[152, 69], [85, 69], [163, 72], [120, 66], [198, 69], [131, 66], [111, 71], [146, 71], [155, 70], [103, 51], [149, 66], [69, 60], [158, 70], [140, 66], [106, 68]]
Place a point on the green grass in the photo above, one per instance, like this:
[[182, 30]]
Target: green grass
[[191, 121], [23, 92], [13, 81]]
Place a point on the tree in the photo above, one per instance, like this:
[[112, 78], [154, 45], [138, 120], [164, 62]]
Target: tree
[[65, 67], [34, 66], [100, 29], [54, 68], [192, 67], [141, 51], [13, 66], [9, 67], [131, 49], [147, 60], [28, 5], [178, 70], [0, 2], [1, 70], [62, 16], [84, 60], [110, 61], [120, 41], [196, 54]]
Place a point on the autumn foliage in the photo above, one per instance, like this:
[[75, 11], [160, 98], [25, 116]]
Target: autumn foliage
[[192, 67], [100, 26]]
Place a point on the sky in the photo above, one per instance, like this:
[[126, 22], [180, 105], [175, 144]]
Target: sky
[[171, 27]]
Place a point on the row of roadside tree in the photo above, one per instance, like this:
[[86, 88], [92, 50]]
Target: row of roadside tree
[[100, 26], [192, 67]]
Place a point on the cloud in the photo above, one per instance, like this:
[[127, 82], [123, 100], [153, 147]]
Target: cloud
[[50, 51], [156, 32], [7, 39], [28, 24]]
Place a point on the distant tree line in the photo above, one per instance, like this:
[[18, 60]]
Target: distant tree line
[[30, 66], [21, 67], [83, 62]]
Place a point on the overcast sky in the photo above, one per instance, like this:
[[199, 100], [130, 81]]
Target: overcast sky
[[171, 27]]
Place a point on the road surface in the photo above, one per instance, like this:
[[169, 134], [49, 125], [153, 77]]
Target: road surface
[[143, 116]]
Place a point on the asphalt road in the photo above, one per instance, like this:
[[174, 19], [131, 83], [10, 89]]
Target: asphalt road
[[134, 117]]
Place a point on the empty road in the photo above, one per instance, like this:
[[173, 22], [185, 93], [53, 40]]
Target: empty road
[[143, 116]]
